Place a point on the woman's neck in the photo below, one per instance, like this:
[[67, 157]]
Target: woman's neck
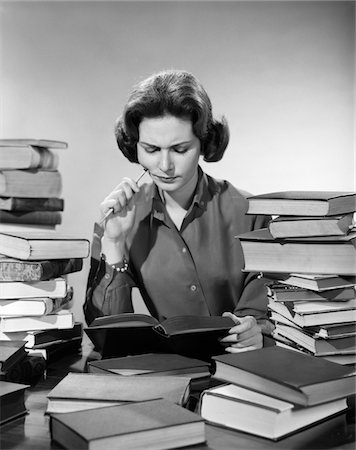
[[183, 197]]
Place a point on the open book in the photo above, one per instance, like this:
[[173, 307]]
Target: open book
[[192, 336]]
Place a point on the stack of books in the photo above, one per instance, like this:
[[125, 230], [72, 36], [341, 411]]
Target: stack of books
[[123, 412], [35, 297], [30, 184], [308, 256], [274, 392]]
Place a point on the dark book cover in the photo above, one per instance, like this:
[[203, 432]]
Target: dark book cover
[[148, 363], [287, 374], [12, 398], [31, 204], [11, 352], [150, 420]]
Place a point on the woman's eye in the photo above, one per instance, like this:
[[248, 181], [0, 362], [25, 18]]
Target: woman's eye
[[151, 149], [180, 149]]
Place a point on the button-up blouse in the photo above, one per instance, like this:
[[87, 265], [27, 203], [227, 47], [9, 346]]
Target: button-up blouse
[[197, 270]]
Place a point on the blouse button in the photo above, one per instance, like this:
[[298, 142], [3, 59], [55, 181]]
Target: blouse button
[[184, 250], [193, 288], [107, 276]]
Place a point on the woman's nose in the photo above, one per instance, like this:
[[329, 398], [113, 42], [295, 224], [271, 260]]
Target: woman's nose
[[165, 162]]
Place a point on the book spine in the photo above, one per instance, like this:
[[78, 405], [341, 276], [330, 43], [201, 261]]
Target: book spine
[[30, 183], [10, 324], [32, 217], [38, 271], [32, 204]]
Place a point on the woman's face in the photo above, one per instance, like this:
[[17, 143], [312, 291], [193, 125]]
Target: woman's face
[[170, 151]]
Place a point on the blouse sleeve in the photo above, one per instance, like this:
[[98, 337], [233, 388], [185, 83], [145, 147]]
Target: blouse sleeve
[[108, 290]]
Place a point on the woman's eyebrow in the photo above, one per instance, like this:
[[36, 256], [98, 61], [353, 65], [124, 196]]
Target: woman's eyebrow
[[147, 143], [173, 145]]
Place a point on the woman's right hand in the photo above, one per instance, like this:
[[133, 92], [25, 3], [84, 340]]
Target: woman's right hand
[[121, 200]]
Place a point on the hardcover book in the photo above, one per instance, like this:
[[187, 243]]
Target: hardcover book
[[18, 270], [324, 255], [61, 319], [36, 245], [42, 337], [315, 307], [297, 226], [326, 331], [318, 346], [288, 375], [55, 287], [313, 319], [192, 336], [12, 397], [31, 217], [78, 391], [25, 142], [287, 293], [151, 364], [156, 424], [259, 414], [35, 306], [303, 203], [20, 157], [31, 204], [30, 183], [11, 353], [316, 282]]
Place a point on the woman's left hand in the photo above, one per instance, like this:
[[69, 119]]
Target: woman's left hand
[[245, 335]]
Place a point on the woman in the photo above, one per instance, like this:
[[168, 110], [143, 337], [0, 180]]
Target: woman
[[175, 238]]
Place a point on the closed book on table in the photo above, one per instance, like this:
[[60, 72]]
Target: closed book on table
[[303, 203], [11, 353], [31, 217], [297, 226], [287, 375], [20, 157], [280, 292], [312, 319], [30, 183], [192, 336], [151, 364], [78, 391], [317, 346], [259, 414], [35, 306], [315, 307], [156, 424], [327, 255], [335, 330], [31, 204], [12, 399], [42, 337], [315, 282], [25, 142], [37, 245], [61, 319], [325, 331], [19, 270], [56, 287]]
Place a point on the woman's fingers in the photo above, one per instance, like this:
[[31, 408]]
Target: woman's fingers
[[120, 197]]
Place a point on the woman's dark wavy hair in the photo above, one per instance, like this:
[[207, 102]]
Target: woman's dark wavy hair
[[177, 93]]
